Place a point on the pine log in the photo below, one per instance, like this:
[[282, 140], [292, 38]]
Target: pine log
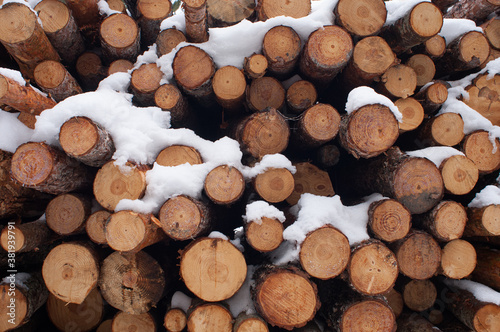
[[265, 92], [169, 98], [458, 259], [86, 141], [395, 301], [460, 174], [434, 47], [167, 40], [478, 147], [196, 20], [418, 255], [274, 185], [446, 129], [445, 222], [71, 271], [443, 5], [368, 131], [209, 317], [472, 10], [281, 47], [284, 296], [399, 81], [326, 52], [300, 96], [120, 37], [414, 323], [424, 68], [224, 185], [422, 22], [112, 185], [183, 218], [229, 86], [413, 114], [42, 167], [24, 38], [28, 119], [132, 283], [95, 226], [61, 29], [264, 132], [432, 96], [86, 13], [66, 214], [316, 126], [150, 14], [25, 237], [264, 235], [327, 156], [310, 179], [267, 9], [483, 221], [249, 323], [105, 326], [119, 6], [90, 70], [491, 30], [76, 317], [133, 322], [175, 320], [221, 273], [418, 295], [23, 97], [144, 82], [226, 13], [483, 97], [371, 57], [362, 17], [21, 295], [487, 270], [176, 155], [255, 66], [53, 78], [389, 220]]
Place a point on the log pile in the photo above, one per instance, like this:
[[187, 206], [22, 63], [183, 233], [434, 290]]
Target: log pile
[[117, 250]]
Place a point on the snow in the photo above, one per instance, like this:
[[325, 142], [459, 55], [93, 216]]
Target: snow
[[18, 132], [436, 154], [398, 8], [489, 195], [481, 292], [181, 301], [255, 211], [268, 161], [16, 76], [217, 235], [364, 95], [242, 300], [456, 27], [19, 280], [104, 9]]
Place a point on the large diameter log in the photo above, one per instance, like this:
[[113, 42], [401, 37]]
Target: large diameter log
[[483, 221], [120, 37], [71, 271], [95, 226], [300, 96], [389, 220], [413, 114], [399, 81], [225, 13], [144, 82], [460, 174], [132, 322], [212, 268], [53, 78], [472, 10], [175, 320], [432, 96], [167, 40], [61, 29], [318, 125], [458, 259], [23, 98], [175, 155], [24, 38], [274, 185], [264, 236], [132, 283], [169, 98], [445, 129], [86, 141], [229, 86], [271, 8], [150, 14], [281, 47], [483, 96], [362, 17], [491, 31], [487, 270], [25, 237], [42, 167], [368, 131], [285, 296], [446, 221], [224, 185], [210, 317], [196, 20], [265, 92], [326, 52], [478, 147], [310, 179], [66, 214]]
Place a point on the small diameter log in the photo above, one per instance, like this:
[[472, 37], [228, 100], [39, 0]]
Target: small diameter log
[[176, 155], [484, 97], [432, 96], [371, 57], [132, 283], [66, 214], [255, 66], [472, 10], [224, 185], [71, 271], [128, 231], [460, 174], [300, 96], [446, 129], [434, 47], [119, 6], [42, 167], [458, 259], [169, 98], [112, 184], [389, 220], [487, 270], [150, 14], [23, 97], [325, 252], [249, 323], [445, 222], [226, 13], [119, 66], [24, 38], [183, 218], [130, 322], [326, 52], [478, 147], [284, 296], [26, 236], [267, 9], [483, 221], [265, 92], [21, 295], [414, 322], [424, 68], [86, 141], [491, 30], [221, 272], [395, 301], [53, 78], [418, 255], [76, 317], [413, 114], [274, 185], [167, 40], [119, 35], [61, 29], [175, 320], [398, 81], [196, 20], [264, 235], [422, 22], [90, 70], [310, 179], [281, 47], [418, 295], [29, 120], [229, 86], [95, 226], [327, 156], [264, 132], [144, 82], [368, 131], [361, 17], [210, 317]]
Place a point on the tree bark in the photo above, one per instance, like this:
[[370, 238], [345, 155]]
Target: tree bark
[[300, 96], [144, 82], [169, 98], [487, 269], [67, 213], [413, 114], [120, 37], [123, 321], [281, 47], [274, 185], [424, 68], [478, 148], [25, 237], [310, 179], [90, 70], [210, 317], [53, 78], [229, 86], [196, 20], [432, 96], [445, 222], [267, 9], [458, 259], [414, 323], [389, 220], [95, 226], [255, 66], [265, 92], [167, 40], [399, 81], [264, 236], [23, 97], [223, 13], [472, 10], [150, 14], [460, 174], [483, 221], [446, 129]]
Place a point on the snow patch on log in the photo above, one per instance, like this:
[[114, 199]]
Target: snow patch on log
[[455, 27], [436, 154], [489, 195], [242, 300], [481, 292], [398, 8], [181, 301], [363, 95], [18, 132], [104, 9], [255, 211]]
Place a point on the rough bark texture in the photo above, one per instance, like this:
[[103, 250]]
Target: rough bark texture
[[472, 10], [487, 269], [53, 78], [90, 70], [196, 20], [150, 15], [25, 237], [483, 221]]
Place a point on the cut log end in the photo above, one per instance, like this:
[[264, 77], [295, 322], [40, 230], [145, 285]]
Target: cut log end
[[183, 218], [458, 259], [32, 164], [54, 15], [21, 307], [192, 67], [95, 226], [300, 96], [78, 136], [250, 323], [419, 295], [310, 179], [361, 18], [398, 81], [460, 174], [265, 92], [435, 46], [389, 220], [447, 129], [229, 86], [146, 79], [426, 19], [210, 317], [224, 184], [264, 236], [274, 8], [255, 66], [176, 155], [175, 320], [474, 48], [119, 31], [66, 214], [368, 315], [319, 124], [274, 185], [450, 219], [154, 9], [167, 40], [19, 23], [49, 74], [478, 147], [125, 230], [120, 66], [424, 68], [412, 111], [487, 318], [128, 322], [281, 46]]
